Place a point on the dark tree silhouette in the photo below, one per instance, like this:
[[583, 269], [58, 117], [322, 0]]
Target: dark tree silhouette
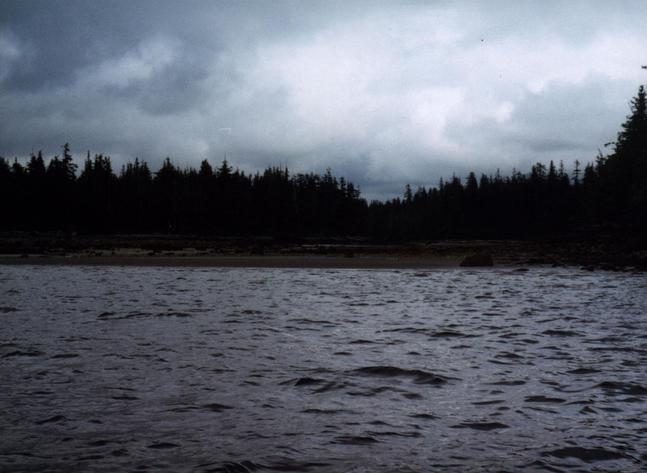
[[616, 185], [609, 194]]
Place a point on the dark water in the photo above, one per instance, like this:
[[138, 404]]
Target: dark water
[[235, 370]]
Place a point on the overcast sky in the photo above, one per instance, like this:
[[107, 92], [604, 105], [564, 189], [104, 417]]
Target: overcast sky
[[384, 93]]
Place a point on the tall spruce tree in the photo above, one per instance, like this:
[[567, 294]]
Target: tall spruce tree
[[622, 176]]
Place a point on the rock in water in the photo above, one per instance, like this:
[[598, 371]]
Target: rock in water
[[478, 259]]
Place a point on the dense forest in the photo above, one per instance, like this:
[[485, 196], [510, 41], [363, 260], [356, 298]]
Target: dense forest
[[608, 194]]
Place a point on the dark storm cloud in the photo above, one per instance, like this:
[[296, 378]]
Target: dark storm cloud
[[383, 92]]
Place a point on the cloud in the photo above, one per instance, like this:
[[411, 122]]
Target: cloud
[[10, 53], [382, 92], [138, 66]]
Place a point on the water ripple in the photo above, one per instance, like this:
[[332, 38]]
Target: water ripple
[[275, 370]]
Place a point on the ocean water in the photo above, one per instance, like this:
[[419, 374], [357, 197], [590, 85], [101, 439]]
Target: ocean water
[[287, 370]]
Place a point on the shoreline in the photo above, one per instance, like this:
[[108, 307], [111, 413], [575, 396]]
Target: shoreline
[[291, 261], [192, 251]]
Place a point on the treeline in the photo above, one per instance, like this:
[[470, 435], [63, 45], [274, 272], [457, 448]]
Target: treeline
[[48, 196], [608, 195], [540, 203]]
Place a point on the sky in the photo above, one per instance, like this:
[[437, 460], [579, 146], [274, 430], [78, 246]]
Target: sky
[[382, 92]]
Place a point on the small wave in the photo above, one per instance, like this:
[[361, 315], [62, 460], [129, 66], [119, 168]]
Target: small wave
[[374, 391], [390, 433], [432, 333], [583, 371], [451, 334], [215, 407], [481, 425], [125, 397], [65, 355], [22, 353], [330, 386], [561, 333], [116, 316], [488, 403], [617, 349], [50, 420], [100, 443], [162, 445], [412, 396], [355, 440], [308, 381], [544, 399], [304, 320], [183, 409], [327, 411], [173, 314], [285, 465], [513, 382], [585, 454], [508, 355], [418, 376], [616, 387], [423, 415]]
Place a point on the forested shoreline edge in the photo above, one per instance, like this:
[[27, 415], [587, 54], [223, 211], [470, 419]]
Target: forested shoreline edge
[[604, 200]]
